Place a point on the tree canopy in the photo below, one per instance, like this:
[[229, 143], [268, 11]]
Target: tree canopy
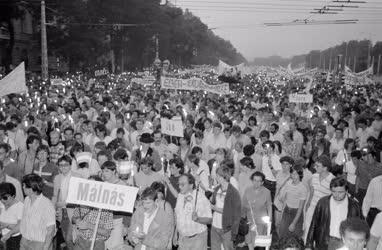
[[84, 34]]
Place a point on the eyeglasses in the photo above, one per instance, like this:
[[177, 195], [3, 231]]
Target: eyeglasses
[[4, 197]]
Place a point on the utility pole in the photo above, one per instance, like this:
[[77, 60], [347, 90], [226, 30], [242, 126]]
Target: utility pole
[[379, 63], [330, 61], [44, 46], [156, 47], [355, 62]]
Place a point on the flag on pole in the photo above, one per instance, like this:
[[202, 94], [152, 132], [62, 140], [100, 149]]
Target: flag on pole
[[14, 82]]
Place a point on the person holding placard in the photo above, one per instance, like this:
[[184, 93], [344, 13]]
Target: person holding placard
[[85, 220]]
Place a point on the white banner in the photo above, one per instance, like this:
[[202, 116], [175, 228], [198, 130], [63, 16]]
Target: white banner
[[194, 84], [301, 98], [14, 82], [145, 81], [57, 82], [173, 127], [101, 195], [101, 72], [228, 70]]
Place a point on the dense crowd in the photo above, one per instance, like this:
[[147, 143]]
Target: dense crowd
[[252, 169]]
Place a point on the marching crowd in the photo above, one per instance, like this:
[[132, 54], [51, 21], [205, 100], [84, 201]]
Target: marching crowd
[[251, 167]]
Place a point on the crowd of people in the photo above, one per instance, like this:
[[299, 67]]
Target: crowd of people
[[251, 170]]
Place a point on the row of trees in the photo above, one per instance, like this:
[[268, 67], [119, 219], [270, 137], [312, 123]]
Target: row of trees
[[357, 55], [86, 33]]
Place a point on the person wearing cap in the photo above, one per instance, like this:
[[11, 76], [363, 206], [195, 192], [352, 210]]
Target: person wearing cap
[[319, 186], [366, 169], [146, 151], [83, 162]]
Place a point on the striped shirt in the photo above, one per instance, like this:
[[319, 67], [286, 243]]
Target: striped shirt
[[37, 217], [373, 196]]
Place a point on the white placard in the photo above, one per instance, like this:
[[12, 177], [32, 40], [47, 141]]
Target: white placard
[[194, 84], [301, 98], [173, 127], [101, 195]]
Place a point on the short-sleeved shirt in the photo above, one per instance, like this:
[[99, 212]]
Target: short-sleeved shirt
[[11, 216], [37, 217], [376, 230], [184, 208], [256, 203], [294, 194]]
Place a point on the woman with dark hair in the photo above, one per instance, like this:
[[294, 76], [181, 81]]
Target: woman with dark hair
[[256, 204], [184, 148], [45, 169], [27, 159], [252, 124], [10, 216], [349, 168], [290, 148], [294, 196]]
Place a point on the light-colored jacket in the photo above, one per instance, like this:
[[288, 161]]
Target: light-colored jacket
[[160, 232]]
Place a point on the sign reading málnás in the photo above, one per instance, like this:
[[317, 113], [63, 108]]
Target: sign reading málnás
[[101, 195]]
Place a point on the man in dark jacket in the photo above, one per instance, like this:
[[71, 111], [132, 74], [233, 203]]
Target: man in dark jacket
[[324, 231], [226, 206]]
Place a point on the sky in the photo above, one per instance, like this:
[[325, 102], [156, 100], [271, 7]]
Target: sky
[[242, 23]]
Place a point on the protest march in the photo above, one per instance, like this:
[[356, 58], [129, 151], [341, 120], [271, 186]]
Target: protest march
[[104, 146]]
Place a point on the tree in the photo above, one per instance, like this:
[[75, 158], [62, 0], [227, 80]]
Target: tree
[[9, 10]]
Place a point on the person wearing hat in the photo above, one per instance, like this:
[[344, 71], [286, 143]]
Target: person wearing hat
[[146, 151]]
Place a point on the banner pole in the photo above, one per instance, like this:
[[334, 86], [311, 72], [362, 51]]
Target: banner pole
[[95, 229]]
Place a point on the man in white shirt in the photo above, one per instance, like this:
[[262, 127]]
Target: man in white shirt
[[324, 230], [193, 214], [337, 142], [217, 139], [375, 242], [354, 233], [270, 166], [372, 203]]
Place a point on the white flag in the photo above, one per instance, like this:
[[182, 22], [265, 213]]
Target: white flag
[[14, 82]]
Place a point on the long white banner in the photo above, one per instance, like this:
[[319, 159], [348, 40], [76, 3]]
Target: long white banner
[[301, 98], [101, 195], [194, 84]]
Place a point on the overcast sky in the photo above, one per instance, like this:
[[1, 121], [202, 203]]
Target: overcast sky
[[242, 22]]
